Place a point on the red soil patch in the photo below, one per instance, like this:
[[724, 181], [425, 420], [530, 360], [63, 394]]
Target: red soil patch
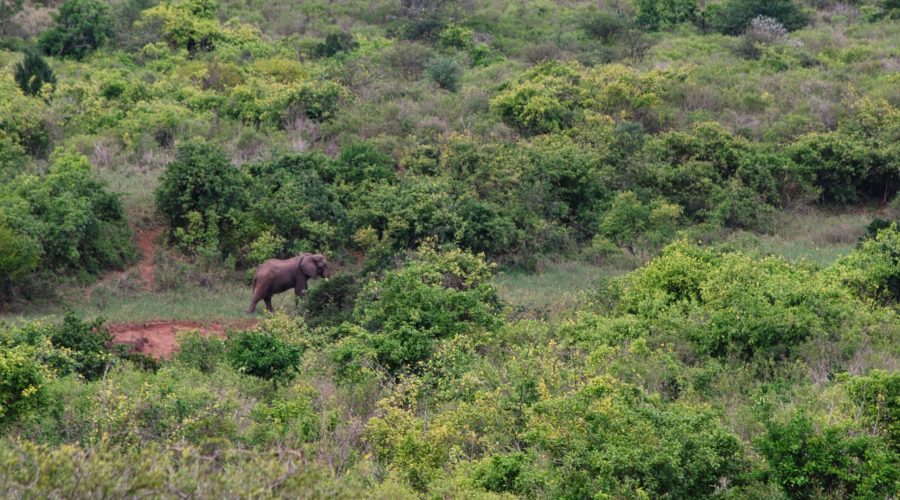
[[158, 338]]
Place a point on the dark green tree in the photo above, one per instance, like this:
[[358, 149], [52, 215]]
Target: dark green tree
[[81, 26], [33, 72], [734, 16]]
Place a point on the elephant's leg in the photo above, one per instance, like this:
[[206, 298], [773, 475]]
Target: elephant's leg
[[269, 304]]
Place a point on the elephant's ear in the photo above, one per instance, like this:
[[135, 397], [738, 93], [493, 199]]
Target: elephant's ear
[[308, 267]]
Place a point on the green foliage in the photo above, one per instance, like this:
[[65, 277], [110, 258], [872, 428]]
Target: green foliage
[[808, 462], [608, 437], [80, 27], [445, 72], [437, 295], [78, 225], [336, 43], [873, 270], [271, 351], [656, 14], [200, 181], [552, 96], [88, 343], [201, 352], [878, 395], [331, 302], [605, 26], [33, 73], [262, 354], [22, 382], [733, 304], [630, 223], [733, 16], [293, 418]]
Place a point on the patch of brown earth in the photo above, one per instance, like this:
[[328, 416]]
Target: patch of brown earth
[[146, 242], [159, 338]]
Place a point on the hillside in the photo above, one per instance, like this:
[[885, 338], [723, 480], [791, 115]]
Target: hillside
[[573, 249]]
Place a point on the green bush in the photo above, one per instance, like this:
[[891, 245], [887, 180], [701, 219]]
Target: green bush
[[829, 461], [89, 343], [332, 301], [656, 14], [437, 295], [79, 225], [336, 43], [80, 26], [22, 382], [878, 395], [605, 26], [201, 181], [201, 352], [445, 72], [873, 270], [263, 354], [611, 438], [33, 73], [733, 16], [732, 304]]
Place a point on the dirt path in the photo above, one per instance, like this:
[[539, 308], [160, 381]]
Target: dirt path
[[158, 338], [146, 242]]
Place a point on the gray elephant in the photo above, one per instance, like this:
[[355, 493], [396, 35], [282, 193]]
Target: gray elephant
[[276, 275]]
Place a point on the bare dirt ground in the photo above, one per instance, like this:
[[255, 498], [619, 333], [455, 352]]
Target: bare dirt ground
[[146, 242], [158, 338]]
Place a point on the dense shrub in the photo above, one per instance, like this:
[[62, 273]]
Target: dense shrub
[[808, 462], [734, 16], [336, 43], [605, 26], [87, 341], [434, 296], [80, 26], [609, 437], [22, 382], [656, 14], [733, 304], [873, 269], [78, 224], [33, 73], [878, 395], [200, 184], [263, 354], [445, 72], [201, 352]]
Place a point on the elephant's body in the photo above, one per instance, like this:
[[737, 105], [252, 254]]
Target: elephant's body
[[276, 276]]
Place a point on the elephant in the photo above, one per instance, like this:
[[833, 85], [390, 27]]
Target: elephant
[[276, 275]]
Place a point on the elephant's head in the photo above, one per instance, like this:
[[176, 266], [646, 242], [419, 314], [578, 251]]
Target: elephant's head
[[314, 266]]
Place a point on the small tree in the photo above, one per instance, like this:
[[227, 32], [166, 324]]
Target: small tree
[[33, 72], [81, 26], [445, 72]]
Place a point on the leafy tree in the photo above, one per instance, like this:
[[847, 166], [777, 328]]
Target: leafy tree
[[608, 437], [733, 16], [89, 343], [656, 14], [79, 225], [438, 295], [32, 73], [873, 269], [336, 43], [201, 180], [445, 72], [81, 26]]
